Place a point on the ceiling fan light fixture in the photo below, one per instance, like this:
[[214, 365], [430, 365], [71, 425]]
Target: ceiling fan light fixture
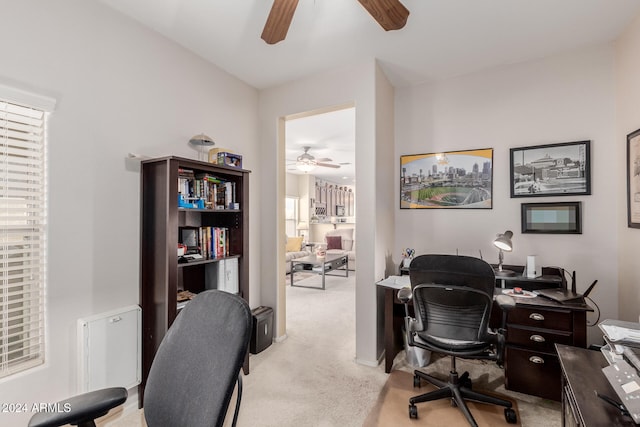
[[306, 165]]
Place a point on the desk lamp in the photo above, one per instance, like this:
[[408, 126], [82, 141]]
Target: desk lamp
[[201, 142], [503, 243]]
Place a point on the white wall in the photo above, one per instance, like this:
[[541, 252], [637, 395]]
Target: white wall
[[627, 121], [385, 207], [558, 99], [120, 88], [354, 84], [292, 185]]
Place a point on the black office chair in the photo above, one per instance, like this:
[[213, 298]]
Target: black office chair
[[192, 376], [452, 298]]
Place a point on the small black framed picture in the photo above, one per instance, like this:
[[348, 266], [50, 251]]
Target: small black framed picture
[[633, 179], [551, 170], [552, 218]]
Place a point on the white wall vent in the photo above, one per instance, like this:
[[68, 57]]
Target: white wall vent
[[110, 350]]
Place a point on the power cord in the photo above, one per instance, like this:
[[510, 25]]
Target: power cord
[[598, 308]]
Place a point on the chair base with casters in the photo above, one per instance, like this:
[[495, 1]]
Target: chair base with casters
[[457, 388]]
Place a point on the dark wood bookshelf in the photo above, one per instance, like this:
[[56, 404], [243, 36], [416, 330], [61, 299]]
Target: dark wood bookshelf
[[162, 276]]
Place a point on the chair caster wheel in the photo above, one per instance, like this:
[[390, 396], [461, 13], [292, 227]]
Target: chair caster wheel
[[465, 381], [510, 416], [416, 381], [413, 411]]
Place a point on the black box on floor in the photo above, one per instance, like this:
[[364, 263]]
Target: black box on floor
[[262, 334]]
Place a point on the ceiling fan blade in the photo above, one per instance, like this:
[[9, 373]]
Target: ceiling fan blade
[[390, 14], [279, 19], [324, 159], [328, 165]]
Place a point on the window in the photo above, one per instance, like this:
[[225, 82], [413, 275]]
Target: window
[[291, 216], [23, 231]]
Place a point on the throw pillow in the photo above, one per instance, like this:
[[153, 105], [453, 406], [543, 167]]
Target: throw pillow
[[334, 242], [294, 244]]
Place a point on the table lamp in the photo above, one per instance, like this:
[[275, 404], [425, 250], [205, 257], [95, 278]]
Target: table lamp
[[302, 227], [503, 243]]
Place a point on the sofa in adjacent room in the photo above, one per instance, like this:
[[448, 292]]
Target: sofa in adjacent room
[[340, 241], [294, 250]]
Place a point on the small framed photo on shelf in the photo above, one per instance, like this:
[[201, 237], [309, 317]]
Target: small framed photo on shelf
[[633, 179], [447, 180], [552, 218], [551, 170]]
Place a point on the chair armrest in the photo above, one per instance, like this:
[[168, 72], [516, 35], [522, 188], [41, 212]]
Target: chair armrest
[[505, 302], [82, 408], [405, 295]]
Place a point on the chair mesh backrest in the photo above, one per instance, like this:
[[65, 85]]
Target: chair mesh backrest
[[452, 296], [193, 374]]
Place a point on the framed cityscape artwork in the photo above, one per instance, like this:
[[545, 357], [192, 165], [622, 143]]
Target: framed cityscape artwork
[[551, 170], [633, 179], [447, 180]]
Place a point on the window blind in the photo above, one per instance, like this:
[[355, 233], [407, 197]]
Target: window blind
[[23, 222]]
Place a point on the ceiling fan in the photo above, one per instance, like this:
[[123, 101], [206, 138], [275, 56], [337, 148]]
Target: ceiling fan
[[390, 14], [306, 162]]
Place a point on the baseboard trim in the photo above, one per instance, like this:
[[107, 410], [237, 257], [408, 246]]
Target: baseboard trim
[[281, 338], [370, 363]]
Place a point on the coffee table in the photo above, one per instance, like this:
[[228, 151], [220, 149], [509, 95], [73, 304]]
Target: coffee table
[[321, 266]]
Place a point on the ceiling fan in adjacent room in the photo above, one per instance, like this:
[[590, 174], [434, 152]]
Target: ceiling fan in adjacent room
[[390, 14], [306, 162]]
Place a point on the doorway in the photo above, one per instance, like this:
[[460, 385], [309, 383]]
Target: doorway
[[320, 153]]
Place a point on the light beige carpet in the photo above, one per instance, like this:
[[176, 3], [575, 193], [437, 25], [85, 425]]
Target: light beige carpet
[[392, 407]]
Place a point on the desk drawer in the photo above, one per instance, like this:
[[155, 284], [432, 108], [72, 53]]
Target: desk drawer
[[537, 339], [533, 373], [559, 320]]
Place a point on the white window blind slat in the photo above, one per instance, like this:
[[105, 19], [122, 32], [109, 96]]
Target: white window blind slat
[[14, 121], [12, 295], [13, 136], [24, 154], [18, 336], [23, 226]]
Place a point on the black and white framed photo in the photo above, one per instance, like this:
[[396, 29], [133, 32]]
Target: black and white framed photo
[[552, 218], [551, 170], [447, 180], [633, 179]]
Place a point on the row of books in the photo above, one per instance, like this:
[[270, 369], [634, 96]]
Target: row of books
[[213, 192], [214, 242]]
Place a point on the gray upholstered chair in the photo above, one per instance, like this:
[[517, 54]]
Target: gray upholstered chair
[[452, 299], [193, 374]]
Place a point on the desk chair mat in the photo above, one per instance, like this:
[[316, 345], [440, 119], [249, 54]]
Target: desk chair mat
[[391, 409]]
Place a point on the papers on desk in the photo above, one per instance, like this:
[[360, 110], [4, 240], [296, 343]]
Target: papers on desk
[[620, 332], [395, 282]]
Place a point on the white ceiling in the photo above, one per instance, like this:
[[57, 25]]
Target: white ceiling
[[442, 38]]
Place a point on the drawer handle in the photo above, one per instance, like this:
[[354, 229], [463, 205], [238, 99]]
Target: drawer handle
[[537, 338], [536, 316], [536, 359]]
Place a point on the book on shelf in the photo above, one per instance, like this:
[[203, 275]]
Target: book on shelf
[[215, 192], [214, 242]]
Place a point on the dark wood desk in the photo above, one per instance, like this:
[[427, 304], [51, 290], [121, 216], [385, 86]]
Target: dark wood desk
[[533, 327], [581, 378]]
